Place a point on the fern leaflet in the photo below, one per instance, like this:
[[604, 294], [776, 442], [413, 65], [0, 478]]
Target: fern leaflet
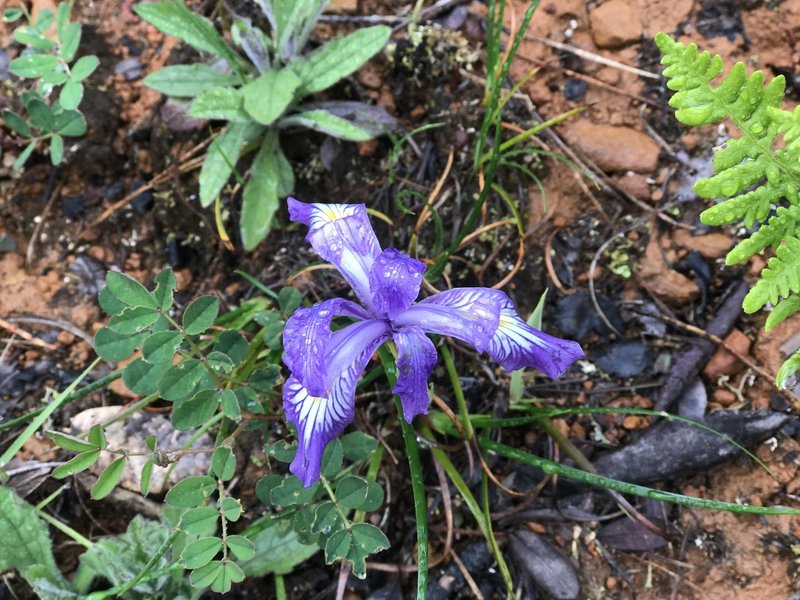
[[754, 181]]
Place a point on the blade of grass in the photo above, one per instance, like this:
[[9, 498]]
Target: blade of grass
[[553, 468], [48, 410]]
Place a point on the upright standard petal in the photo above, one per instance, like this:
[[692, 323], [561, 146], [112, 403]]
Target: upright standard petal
[[319, 418], [342, 235], [468, 314], [516, 345], [306, 336], [416, 357], [394, 281]]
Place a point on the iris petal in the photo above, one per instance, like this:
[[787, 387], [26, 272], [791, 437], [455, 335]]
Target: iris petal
[[395, 280], [306, 336], [516, 344], [416, 357], [319, 418], [468, 314], [342, 235]]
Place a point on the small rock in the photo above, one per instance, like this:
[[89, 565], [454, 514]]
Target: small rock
[[577, 317], [73, 206], [635, 184], [666, 283], [114, 190], [724, 362], [712, 245], [616, 23], [575, 89], [340, 6], [130, 68], [723, 397], [131, 433], [548, 569], [615, 148], [625, 358]]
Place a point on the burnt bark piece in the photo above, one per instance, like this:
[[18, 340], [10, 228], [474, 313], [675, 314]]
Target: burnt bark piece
[[689, 363], [673, 449], [544, 565]]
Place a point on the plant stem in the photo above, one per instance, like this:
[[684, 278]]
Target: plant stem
[[417, 483], [458, 392]]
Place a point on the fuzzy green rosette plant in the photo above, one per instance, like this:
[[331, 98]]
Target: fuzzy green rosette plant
[[257, 87]]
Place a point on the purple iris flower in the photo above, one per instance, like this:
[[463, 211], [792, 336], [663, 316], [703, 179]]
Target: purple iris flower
[[318, 396]]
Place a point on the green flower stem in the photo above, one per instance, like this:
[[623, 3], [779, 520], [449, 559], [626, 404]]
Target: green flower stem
[[417, 484], [133, 408], [458, 392]]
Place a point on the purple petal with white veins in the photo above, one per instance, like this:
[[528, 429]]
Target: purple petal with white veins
[[467, 314], [321, 418], [318, 419], [306, 336], [516, 345], [394, 281], [342, 235], [416, 357]]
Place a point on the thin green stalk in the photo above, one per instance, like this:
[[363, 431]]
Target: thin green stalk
[[65, 529], [39, 420], [417, 484], [84, 391], [492, 541], [480, 517], [458, 392], [553, 468], [280, 588]]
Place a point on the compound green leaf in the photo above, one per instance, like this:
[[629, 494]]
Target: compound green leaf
[[69, 442], [232, 509], [231, 573], [147, 474], [71, 94], [195, 411], [78, 463], [84, 67], [161, 347], [191, 492], [133, 319], [207, 574], [70, 123], [24, 156], [141, 377], [358, 446], [180, 380], [223, 463], [17, 123], [56, 149], [200, 552], [242, 548], [108, 479], [200, 521], [200, 315], [220, 161]]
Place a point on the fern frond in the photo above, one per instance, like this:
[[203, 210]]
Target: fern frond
[[782, 311], [751, 177], [779, 279], [741, 163], [785, 222], [788, 371]]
